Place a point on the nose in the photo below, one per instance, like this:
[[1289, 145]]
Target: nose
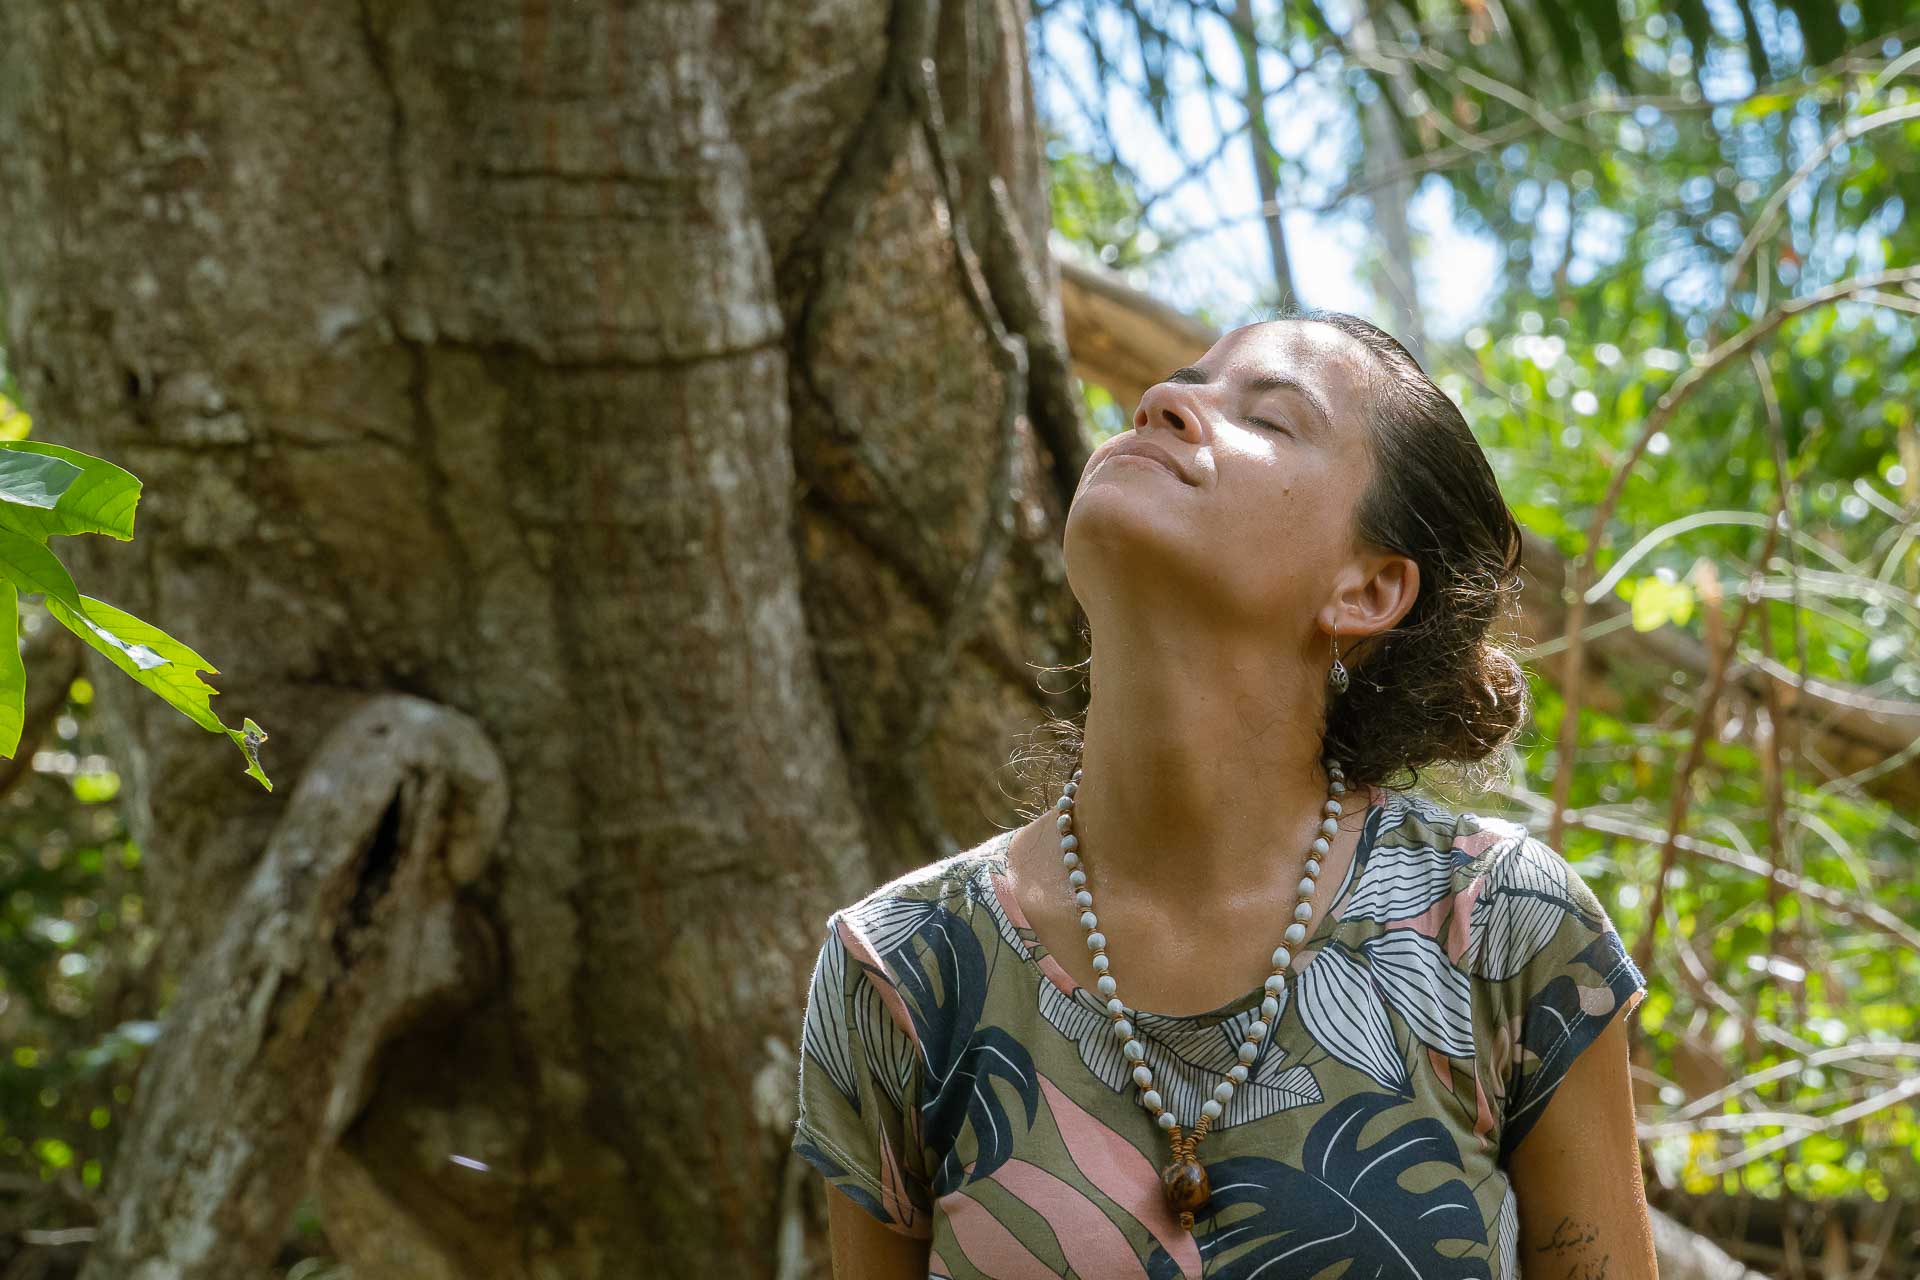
[[1169, 406]]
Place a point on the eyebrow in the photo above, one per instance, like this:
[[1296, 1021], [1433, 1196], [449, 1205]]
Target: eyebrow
[[1260, 384]]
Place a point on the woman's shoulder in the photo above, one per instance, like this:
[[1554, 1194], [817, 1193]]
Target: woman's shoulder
[[1508, 858], [1474, 846], [947, 887], [1480, 883], [1419, 858]]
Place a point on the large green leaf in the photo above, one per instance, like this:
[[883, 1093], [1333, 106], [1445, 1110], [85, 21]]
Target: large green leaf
[[29, 566], [13, 673], [34, 480], [101, 498], [161, 663]]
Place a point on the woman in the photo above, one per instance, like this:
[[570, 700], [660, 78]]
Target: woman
[[1232, 1006]]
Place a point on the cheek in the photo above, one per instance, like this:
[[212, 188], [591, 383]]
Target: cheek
[[1294, 523], [1283, 508]]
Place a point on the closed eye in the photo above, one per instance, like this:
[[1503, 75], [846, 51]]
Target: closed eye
[[1262, 422]]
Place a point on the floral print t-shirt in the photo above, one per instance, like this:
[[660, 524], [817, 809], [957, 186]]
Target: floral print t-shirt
[[959, 1086]]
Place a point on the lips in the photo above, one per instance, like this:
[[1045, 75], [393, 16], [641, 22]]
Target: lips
[[1152, 453]]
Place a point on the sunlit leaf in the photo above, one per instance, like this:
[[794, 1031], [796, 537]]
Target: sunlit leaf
[[101, 498], [13, 673], [1656, 603], [161, 663], [29, 566], [34, 480], [1764, 104]]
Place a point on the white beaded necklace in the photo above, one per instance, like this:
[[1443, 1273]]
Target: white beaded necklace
[[1185, 1178]]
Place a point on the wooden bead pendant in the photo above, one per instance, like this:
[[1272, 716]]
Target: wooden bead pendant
[[1185, 1182]]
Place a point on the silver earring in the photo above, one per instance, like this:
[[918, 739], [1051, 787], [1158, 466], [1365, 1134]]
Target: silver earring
[[1337, 676]]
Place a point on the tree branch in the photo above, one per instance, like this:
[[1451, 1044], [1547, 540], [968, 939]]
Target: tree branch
[[1581, 568]]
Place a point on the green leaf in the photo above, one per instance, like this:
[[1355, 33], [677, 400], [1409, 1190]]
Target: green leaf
[[161, 663], [13, 673], [1656, 603], [101, 499], [26, 562], [34, 480]]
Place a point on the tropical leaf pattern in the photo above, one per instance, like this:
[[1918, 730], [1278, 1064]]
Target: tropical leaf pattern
[[958, 1086], [1341, 1009], [1188, 1056], [1393, 1204]]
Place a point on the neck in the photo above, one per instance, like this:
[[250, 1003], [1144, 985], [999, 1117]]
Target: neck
[[1201, 771]]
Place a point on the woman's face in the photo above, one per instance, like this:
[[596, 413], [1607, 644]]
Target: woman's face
[[1266, 440]]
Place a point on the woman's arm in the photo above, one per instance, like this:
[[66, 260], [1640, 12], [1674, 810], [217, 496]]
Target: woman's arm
[[1583, 1210], [866, 1249]]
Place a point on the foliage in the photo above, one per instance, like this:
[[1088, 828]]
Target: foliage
[[1094, 207], [48, 490], [73, 942], [1634, 246], [75, 1010]]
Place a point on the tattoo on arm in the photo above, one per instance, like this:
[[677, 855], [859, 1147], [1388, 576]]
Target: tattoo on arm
[[1574, 1245]]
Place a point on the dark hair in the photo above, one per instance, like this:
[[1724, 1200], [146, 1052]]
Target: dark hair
[[1439, 687]]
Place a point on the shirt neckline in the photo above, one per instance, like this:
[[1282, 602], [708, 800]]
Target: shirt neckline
[[1001, 887]]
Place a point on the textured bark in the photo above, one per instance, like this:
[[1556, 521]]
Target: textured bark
[[350, 930], [604, 375]]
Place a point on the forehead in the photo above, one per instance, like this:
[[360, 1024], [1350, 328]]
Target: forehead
[[1321, 356]]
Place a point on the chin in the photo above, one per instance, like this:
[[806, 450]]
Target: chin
[[1113, 536]]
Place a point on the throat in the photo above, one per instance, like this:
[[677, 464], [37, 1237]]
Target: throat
[[1189, 939]]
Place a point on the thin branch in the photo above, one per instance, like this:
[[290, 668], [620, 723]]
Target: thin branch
[[1703, 982], [1846, 1115], [1882, 919], [1763, 223], [1705, 718], [1774, 754], [1581, 567], [1838, 1056]]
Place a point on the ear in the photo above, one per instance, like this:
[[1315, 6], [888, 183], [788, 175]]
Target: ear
[[1373, 596]]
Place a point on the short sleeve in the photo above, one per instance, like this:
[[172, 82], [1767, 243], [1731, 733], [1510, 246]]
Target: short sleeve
[[1550, 972], [859, 1086]]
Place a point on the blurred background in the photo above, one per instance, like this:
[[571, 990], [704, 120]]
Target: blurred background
[[618, 454]]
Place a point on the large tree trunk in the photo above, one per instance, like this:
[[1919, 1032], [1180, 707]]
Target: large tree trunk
[[574, 433]]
